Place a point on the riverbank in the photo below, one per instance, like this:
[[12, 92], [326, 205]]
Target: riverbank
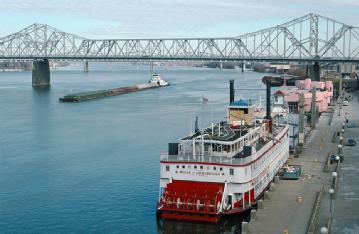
[[290, 203]]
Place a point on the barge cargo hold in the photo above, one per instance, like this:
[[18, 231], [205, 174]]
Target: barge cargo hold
[[155, 82]]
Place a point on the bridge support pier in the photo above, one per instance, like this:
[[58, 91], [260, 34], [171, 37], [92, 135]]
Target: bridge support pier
[[151, 66], [243, 66], [306, 71], [40, 73], [86, 66], [316, 72]]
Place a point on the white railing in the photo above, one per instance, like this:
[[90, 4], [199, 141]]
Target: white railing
[[208, 159]]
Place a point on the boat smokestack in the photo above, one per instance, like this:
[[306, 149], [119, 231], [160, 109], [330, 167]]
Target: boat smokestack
[[268, 94], [196, 129], [267, 80], [231, 91]]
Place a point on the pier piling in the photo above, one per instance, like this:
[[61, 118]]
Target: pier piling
[[266, 195], [316, 71], [40, 73], [253, 215], [86, 66], [245, 227], [260, 204]]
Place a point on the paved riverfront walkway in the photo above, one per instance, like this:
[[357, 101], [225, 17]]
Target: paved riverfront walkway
[[291, 203]]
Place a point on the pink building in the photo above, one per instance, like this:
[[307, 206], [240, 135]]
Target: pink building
[[324, 93]]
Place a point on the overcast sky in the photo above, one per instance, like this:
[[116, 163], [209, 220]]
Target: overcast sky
[[166, 18]]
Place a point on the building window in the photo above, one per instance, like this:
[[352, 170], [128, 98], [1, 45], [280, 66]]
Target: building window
[[231, 171], [201, 167], [293, 107], [183, 166], [214, 168], [177, 166], [195, 167], [221, 169], [167, 167]]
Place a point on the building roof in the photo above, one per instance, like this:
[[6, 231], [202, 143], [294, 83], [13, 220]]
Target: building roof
[[280, 92], [240, 103]]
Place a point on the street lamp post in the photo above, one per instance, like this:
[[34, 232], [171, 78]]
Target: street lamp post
[[331, 192]]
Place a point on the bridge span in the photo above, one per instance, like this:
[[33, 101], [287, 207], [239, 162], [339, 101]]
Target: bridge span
[[311, 39]]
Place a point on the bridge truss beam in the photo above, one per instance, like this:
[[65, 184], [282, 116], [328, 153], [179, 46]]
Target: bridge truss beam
[[308, 38]]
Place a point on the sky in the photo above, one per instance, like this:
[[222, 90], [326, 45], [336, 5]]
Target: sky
[[100, 19]]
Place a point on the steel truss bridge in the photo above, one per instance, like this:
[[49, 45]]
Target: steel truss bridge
[[311, 38]]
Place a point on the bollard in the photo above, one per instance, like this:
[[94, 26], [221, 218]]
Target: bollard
[[272, 188], [245, 227], [276, 179], [266, 195], [260, 204], [253, 215]]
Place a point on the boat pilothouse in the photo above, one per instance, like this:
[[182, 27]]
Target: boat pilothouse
[[156, 79], [224, 168]]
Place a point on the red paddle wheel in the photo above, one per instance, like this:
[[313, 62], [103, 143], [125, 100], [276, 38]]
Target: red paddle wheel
[[188, 200]]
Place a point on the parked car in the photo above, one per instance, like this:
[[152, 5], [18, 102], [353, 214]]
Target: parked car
[[350, 142], [333, 160]]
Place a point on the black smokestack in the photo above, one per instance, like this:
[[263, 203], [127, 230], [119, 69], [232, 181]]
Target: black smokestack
[[267, 80], [268, 95], [231, 91]]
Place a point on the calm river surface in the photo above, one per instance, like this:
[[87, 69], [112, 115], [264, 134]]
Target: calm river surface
[[94, 166]]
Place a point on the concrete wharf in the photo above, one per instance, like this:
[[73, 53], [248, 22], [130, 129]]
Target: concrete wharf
[[305, 205]]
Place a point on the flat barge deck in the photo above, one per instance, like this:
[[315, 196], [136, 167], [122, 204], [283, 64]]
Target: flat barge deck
[[92, 95]]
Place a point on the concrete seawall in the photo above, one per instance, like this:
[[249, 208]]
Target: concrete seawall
[[293, 202]]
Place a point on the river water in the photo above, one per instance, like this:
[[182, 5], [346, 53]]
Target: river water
[[94, 166]]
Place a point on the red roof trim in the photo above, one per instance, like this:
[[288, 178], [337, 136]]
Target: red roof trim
[[279, 92]]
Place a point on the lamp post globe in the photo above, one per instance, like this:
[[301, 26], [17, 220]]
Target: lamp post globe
[[323, 230]]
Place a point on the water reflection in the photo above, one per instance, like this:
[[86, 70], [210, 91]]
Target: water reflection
[[227, 225]]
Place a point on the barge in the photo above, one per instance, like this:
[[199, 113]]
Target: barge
[[224, 169], [155, 82]]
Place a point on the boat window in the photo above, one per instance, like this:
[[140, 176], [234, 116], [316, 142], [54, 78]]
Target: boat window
[[231, 171], [167, 167]]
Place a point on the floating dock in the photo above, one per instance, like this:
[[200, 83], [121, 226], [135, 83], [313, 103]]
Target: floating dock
[[91, 95]]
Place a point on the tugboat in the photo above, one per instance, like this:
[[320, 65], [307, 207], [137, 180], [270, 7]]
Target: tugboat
[[156, 79], [224, 169]]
